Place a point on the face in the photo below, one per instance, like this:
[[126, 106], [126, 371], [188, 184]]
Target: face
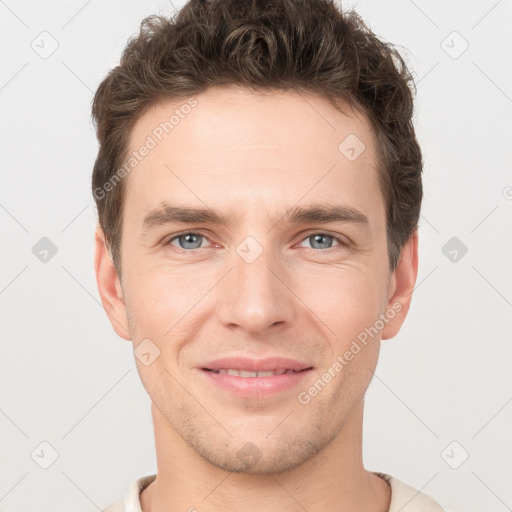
[[254, 240]]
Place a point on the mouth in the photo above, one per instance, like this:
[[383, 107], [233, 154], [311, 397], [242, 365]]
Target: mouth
[[253, 378], [245, 373]]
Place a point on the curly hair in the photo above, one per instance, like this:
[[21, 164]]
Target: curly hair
[[307, 46]]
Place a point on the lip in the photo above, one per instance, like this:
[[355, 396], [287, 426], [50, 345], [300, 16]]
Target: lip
[[256, 387], [256, 365]]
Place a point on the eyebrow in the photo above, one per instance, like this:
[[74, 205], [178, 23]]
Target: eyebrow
[[167, 214]]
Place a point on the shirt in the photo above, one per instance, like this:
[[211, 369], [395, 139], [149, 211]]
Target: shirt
[[404, 498]]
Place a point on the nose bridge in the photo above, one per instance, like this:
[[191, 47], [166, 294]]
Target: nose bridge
[[256, 298]]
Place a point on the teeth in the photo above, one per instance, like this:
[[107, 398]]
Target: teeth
[[244, 373]]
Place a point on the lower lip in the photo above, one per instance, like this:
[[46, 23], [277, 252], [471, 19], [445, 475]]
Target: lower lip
[[250, 387]]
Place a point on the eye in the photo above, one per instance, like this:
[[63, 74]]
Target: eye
[[191, 240], [187, 240], [323, 241]]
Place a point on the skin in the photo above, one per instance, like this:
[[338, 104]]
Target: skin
[[256, 156]]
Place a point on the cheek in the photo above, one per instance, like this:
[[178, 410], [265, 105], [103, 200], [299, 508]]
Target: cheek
[[347, 300], [161, 300]]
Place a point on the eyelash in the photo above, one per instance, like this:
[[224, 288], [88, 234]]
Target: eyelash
[[342, 243]]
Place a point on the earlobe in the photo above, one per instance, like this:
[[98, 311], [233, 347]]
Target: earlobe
[[109, 287], [402, 287]]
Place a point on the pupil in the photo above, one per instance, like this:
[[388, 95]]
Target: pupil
[[189, 239], [321, 239]]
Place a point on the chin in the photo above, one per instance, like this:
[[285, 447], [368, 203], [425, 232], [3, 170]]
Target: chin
[[261, 458]]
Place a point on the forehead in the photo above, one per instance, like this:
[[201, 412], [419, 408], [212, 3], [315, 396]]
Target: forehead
[[257, 149]]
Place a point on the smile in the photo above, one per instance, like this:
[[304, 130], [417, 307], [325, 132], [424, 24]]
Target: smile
[[245, 373]]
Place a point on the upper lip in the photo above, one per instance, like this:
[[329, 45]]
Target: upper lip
[[256, 365]]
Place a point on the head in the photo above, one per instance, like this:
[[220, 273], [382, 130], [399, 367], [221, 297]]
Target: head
[[289, 125]]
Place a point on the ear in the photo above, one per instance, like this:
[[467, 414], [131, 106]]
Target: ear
[[401, 287], [109, 287]]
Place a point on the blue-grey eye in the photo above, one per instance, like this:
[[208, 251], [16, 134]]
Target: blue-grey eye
[[189, 240], [321, 241]]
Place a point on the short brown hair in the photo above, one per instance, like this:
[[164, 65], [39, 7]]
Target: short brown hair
[[299, 45]]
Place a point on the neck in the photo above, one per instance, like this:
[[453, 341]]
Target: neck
[[334, 479]]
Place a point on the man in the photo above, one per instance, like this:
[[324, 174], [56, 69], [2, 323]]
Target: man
[[258, 187]]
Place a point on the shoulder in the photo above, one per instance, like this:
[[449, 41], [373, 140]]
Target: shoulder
[[131, 500], [405, 498], [118, 506]]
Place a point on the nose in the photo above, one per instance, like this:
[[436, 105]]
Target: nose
[[256, 295]]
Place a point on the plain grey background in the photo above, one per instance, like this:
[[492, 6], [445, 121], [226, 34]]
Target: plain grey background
[[442, 391]]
